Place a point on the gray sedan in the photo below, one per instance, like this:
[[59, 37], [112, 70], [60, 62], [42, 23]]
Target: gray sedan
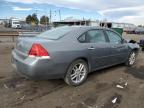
[[71, 53]]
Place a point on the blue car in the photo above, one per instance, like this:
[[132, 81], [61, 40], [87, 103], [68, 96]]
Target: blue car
[[142, 44]]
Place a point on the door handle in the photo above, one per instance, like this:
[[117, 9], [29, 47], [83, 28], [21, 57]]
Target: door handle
[[91, 48]]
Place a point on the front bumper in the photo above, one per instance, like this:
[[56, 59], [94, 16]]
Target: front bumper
[[36, 67]]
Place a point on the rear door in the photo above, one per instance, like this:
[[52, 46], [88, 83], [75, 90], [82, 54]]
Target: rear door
[[118, 49], [97, 47]]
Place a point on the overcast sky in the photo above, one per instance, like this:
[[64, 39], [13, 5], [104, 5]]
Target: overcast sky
[[113, 10]]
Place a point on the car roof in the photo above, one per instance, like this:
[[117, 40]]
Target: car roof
[[82, 29], [89, 27]]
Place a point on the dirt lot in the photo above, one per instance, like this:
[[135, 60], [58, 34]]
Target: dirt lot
[[99, 91]]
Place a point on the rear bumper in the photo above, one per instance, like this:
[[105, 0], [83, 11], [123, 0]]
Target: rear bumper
[[38, 68]]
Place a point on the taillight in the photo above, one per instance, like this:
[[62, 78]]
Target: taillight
[[38, 50]]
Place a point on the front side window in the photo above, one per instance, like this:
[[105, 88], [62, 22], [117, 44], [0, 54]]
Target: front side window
[[93, 36], [113, 37]]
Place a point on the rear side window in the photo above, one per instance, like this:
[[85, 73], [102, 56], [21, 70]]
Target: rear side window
[[92, 36], [55, 33], [113, 37]]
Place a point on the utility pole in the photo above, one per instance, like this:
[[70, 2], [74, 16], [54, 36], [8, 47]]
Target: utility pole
[[46, 22], [36, 11], [60, 15], [50, 16]]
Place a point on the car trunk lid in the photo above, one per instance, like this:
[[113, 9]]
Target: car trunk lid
[[24, 44]]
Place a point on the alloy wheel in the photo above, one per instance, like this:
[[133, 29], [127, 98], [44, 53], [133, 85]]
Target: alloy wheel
[[132, 58], [78, 73]]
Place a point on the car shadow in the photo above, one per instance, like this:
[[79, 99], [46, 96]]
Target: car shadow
[[105, 70], [137, 72]]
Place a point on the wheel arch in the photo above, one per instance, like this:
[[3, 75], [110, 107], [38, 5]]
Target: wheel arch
[[82, 58], [66, 77], [135, 50], [86, 60]]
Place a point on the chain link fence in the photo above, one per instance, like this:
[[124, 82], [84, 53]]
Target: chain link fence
[[11, 35]]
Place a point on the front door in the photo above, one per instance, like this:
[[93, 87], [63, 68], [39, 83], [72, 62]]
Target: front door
[[118, 48]]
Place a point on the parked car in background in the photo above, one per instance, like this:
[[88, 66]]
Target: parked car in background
[[141, 43], [71, 53]]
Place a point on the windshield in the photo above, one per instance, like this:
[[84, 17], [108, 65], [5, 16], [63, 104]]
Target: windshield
[[55, 33]]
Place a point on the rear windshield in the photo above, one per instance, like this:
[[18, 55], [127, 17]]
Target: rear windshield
[[55, 33]]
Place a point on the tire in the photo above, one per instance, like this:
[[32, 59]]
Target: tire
[[131, 59], [77, 73]]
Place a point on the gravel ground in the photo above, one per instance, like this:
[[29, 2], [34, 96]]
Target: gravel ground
[[99, 91]]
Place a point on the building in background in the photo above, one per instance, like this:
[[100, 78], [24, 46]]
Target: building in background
[[2, 21], [70, 21]]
